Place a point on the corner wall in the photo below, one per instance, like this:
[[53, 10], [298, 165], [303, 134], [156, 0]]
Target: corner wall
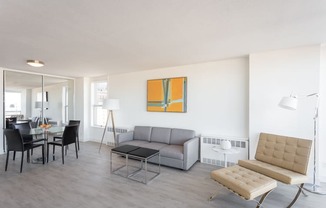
[[217, 98], [82, 107], [1, 112], [276, 74], [322, 114]]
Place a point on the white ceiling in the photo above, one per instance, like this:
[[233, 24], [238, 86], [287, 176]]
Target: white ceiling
[[78, 38]]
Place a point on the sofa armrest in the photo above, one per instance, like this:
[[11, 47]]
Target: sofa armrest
[[124, 137], [190, 152]]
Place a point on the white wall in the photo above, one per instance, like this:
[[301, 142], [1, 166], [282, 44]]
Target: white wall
[[217, 98], [28, 103], [1, 111], [82, 108], [276, 74], [322, 114], [233, 97]]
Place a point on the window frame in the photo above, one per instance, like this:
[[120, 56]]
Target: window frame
[[98, 95]]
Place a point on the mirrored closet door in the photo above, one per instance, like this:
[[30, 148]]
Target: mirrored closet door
[[37, 99]]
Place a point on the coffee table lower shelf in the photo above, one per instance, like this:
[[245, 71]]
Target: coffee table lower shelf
[[141, 173]]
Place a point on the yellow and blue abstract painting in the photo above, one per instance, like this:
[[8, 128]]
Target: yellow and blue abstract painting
[[167, 95]]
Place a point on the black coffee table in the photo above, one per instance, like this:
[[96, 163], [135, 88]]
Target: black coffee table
[[138, 153], [123, 151]]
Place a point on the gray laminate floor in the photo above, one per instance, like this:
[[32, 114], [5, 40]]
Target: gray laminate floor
[[87, 182]]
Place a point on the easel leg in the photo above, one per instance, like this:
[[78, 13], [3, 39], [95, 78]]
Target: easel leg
[[106, 125]]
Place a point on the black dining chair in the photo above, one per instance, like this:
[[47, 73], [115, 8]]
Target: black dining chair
[[16, 143], [75, 122], [10, 121], [72, 122], [69, 136], [24, 127]]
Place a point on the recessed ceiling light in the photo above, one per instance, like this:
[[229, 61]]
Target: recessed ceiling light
[[35, 63]]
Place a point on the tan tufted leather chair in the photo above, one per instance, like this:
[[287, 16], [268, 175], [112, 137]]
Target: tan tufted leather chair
[[282, 158], [278, 158]]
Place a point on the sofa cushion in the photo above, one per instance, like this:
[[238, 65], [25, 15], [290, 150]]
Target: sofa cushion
[[154, 145], [138, 143], [142, 133], [172, 151], [180, 136], [160, 134]]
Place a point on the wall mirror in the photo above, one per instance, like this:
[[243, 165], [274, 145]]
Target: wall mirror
[[37, 98]]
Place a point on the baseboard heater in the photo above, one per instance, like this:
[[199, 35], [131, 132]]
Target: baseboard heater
[[118, 130], [208, 156]]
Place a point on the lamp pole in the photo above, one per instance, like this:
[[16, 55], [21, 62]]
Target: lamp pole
[[290, 103], [314, 188], [106, 125], [110, 104]]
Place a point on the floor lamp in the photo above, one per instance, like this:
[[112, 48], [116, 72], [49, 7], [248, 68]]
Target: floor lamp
[[111, 105], [42, 118], [291, 103]]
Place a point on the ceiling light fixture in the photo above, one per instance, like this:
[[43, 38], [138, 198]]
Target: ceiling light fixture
[[35, 63]]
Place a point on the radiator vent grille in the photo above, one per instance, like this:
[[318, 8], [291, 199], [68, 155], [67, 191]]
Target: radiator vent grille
[[217, 141], [208, 156], [118, 129]]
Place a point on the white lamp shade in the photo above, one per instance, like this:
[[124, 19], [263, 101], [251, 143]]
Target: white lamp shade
[[290, 103], [111, 104]]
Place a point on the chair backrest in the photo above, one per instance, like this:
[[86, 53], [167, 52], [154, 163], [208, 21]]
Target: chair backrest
[[286, 152], [22, 126], [14, 140], [69, 134], [10, 121], [75, 122]]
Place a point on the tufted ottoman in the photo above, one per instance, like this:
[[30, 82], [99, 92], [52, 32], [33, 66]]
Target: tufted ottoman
[[244, 182]]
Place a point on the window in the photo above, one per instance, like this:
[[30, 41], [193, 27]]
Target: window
[[13, 103], [99, 94]]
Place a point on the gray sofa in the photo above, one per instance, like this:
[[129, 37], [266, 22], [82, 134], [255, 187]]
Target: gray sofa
[[179, 148]]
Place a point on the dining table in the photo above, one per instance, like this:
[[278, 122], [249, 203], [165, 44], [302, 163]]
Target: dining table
[[45, 132]]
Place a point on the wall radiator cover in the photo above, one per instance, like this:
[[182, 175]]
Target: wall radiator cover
[[208, 156], [118, 130]]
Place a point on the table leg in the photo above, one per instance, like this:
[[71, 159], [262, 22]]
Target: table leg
[[110, 162], [159, 163], [145, 171], [225, 160], [39, 160], [127, 167]]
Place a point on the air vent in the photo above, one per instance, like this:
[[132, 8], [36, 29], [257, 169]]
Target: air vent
[[208, 156]]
